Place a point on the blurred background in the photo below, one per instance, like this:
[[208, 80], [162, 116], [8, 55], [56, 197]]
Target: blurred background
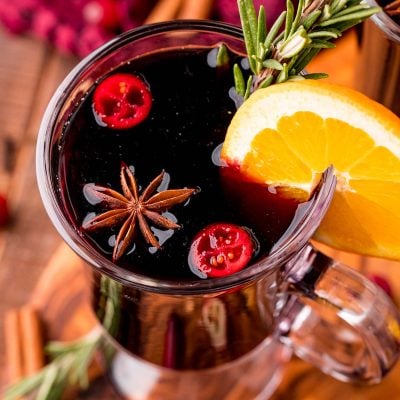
[[79, 26], [40, 41]]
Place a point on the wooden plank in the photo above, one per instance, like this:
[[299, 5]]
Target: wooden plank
[[22, 239], [20, 66], [21, 63], [66, 313], [29, 74]]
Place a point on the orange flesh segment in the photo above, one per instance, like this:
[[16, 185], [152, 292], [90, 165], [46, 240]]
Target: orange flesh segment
[[365, 214]]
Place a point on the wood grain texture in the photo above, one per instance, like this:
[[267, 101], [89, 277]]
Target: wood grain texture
[[29, 74], [34, 266]]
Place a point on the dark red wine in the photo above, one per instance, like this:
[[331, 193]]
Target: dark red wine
[[191, 109]]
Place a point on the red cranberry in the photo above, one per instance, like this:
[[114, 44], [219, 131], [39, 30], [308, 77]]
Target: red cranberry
[[122, 101], [220, 249]]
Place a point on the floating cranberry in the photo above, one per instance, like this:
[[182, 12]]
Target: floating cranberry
[[219, 250], [4, 214], [122, 101]]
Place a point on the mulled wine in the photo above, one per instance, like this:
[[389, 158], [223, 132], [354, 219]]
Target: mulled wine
[[189, 102], [129, 171]]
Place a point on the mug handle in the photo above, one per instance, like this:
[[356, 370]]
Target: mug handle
[[337, 320]]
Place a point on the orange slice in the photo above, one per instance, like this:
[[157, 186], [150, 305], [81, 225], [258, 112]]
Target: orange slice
[[287, 134]]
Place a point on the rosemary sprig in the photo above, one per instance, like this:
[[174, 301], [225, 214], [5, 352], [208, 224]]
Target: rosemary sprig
[[68, 369], [299, 33], [71, 360]]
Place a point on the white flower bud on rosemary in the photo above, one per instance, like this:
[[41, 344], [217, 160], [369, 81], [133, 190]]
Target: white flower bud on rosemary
[[296, 37], [293, 45]]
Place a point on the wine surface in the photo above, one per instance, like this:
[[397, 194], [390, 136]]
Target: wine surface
[[192, 105]]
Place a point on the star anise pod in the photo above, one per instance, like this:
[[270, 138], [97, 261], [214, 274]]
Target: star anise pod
[[134, 210]]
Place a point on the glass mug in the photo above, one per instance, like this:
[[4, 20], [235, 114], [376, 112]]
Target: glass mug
[[222, 338], [378, 70]]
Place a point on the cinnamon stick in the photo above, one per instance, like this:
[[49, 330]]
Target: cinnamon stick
[[195, 9], [32, 342], [393, 8], [393, 5], [13, 346], [164, 10]]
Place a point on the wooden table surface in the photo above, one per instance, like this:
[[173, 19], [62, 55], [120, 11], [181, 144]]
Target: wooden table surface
[[29, 73]]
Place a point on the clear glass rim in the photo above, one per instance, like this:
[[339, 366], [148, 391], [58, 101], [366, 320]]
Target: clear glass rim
[[306, 225], [385, 23]]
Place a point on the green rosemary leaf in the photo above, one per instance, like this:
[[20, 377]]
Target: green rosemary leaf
[[49, 379], [321, 44], [107, 351], [240, 85], [326, 14], [58, 388], [274, 30], [273, 64], [304, 58], [338, 5], [297, 18], [344, 26], [352, 3], [75, 377], [263, 51], [289, 18], [350, 10], [310, 20], [249, 25], [357, 16], [222, 56], [291, 63], [261, 26], [317, 75], [295, 78], [252, 18], [330, 34], [283, 75], [82, 366], [23, 387], [261, 35], [56, 348], [110, 316], [248, 87], [266, 82]]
